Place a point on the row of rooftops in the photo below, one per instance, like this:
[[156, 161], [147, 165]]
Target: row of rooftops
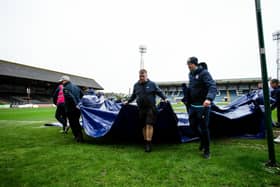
[[12, 69]]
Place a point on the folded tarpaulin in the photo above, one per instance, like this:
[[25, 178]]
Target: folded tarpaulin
[[242, 117], [102, 118], [98, 115], [122, 121]]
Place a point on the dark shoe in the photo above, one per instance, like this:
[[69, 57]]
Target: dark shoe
[[148, 147], [79, 139], [206, 155]]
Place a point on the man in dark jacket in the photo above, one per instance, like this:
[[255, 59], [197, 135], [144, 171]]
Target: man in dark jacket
[[145, 91], [275, 94], [59, 101], [202, 92], [72, 95]]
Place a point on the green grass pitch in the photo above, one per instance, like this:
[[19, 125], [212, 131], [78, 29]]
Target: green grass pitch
[[34, 155]]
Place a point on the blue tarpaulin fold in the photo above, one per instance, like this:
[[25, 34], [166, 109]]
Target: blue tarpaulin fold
[[101, 118]]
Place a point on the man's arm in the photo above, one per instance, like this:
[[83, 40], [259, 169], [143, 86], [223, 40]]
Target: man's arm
[[211, 85], [159, 92], [278, 97], [81, 93], [132, 97], [55, 95], [212, 89]]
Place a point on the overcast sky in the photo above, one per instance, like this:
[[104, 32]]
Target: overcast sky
[[100, 39]]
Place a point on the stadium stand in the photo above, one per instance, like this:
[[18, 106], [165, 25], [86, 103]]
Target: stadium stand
[[221, 96], [234, 94], [228, 89], [22, 84]]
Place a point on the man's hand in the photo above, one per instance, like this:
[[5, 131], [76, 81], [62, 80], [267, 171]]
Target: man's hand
[[78, 106], [206, 103]]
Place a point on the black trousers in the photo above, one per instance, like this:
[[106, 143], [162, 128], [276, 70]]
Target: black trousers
[[74, 121], [60, 114], [199, 121]]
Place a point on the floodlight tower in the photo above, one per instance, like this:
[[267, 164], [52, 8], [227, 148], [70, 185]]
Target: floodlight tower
[[142, 50], [276, 36]]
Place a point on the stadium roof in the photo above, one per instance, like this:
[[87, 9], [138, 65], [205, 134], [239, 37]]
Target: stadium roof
[[218, 81], [12, 69]]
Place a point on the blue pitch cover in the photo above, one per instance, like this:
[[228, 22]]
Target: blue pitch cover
[[101, 118]]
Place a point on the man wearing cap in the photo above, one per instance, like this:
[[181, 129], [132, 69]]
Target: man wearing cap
[[59, 101], [202, 92], [72, 94]]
